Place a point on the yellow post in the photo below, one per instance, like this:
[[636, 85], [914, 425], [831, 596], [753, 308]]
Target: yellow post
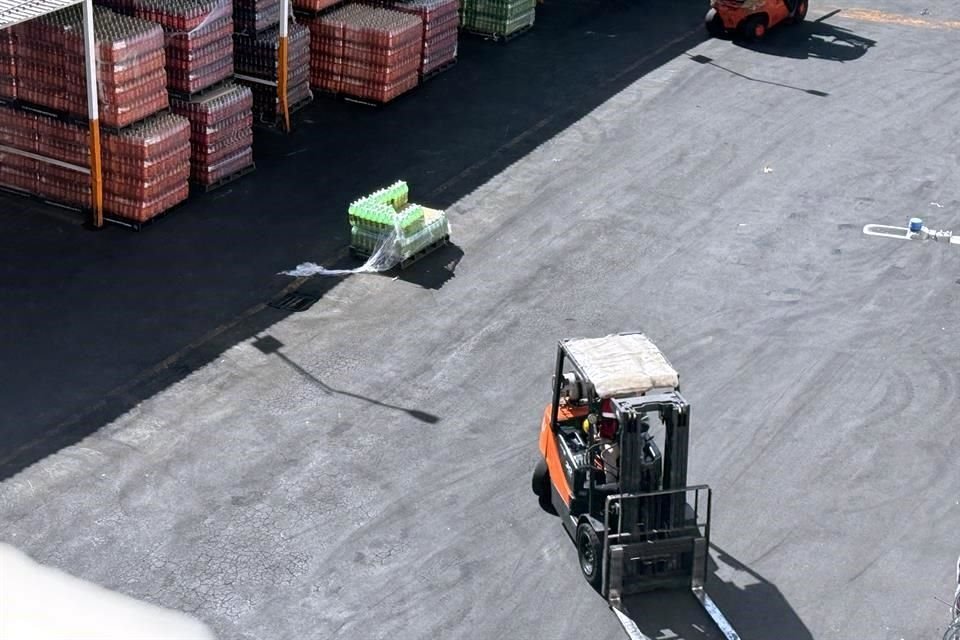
[[282, 83], [96, 177], [93, 111]]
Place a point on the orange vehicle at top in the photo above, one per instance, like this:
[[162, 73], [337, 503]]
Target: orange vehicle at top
[[751, 19]]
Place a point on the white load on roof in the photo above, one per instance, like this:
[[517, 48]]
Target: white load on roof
[[619, 365]]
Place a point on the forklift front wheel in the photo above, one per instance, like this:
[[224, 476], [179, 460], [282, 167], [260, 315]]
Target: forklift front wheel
[[714, 24], [801, 13], [754, 28], [541, 486], [588, 551]]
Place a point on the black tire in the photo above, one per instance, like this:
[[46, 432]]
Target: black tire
[[754, 27], [714, 24], [801, 13], [541, 486], [588, 553]]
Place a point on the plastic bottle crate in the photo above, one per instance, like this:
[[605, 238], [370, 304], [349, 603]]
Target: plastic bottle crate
[[142, 211], [252, 16], [207, 175]]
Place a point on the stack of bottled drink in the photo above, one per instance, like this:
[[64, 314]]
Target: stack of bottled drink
[[367, 52], [257, 56], [440, 22], [314, 6], [145, 166], [131, 75], [221, 132], [498, 17], [253, 16], [8, 64], [388, 212], [199, 40]]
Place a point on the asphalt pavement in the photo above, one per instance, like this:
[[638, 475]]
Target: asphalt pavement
[[361, 469], [100, 321]]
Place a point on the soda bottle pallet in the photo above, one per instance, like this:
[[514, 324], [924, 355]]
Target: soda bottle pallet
[[497, 37], [415, 257], [202, 93], [366, 102], [82, 212], [433, 73], [138, 225], [72, 118], [222, 182]]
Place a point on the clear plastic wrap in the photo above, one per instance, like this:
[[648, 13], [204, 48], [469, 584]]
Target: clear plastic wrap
[[130, 61], [198, 38]]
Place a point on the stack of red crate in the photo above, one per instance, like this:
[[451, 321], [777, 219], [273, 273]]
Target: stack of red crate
[[257, 57], [198, 38], [221, 132], [253, 16], [131, 76], [441, 19], [367, 52], [8, 64], [145, 166]]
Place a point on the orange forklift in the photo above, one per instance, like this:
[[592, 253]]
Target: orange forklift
[[751, 19], [623, 497]]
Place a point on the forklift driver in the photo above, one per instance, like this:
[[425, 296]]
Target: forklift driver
[[605, 437]]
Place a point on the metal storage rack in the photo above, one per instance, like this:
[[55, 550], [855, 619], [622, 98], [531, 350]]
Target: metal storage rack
[[13, 12]]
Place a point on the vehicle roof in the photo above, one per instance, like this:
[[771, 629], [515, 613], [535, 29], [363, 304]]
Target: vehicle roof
[[622, 364]]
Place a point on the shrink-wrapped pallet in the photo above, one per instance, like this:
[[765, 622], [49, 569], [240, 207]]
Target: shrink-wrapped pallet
[[366, 52], [198, 37], [130, 65], [221, 132]]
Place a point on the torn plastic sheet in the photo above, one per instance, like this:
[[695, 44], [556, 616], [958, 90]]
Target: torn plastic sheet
[[385, 256]]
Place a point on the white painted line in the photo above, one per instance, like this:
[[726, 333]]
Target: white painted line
[[630, 626]]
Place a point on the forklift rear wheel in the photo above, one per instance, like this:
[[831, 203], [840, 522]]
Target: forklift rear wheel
[[801, 13], [754, 27], [714, 24], [541, 486], [588, 551]]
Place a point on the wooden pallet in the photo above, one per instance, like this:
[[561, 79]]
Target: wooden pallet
[[236, 175], [446, 66], [496, 37]]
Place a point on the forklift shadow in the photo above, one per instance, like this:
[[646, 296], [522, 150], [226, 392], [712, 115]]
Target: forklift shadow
[[754, 607], [818, 40]]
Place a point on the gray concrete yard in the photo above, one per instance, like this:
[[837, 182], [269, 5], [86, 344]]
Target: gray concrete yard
[[361, 470]]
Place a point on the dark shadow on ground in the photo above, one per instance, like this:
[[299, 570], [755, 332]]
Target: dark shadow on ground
[[94, 323], [702, 59], [816, 39], [268, 345], [757, 610]]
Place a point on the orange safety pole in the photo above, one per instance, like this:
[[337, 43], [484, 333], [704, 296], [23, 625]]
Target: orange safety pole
[[96, 176], [282, 83], [282, 64], [93, 111]]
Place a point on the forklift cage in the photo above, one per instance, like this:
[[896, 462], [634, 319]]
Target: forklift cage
[[650, 558]]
